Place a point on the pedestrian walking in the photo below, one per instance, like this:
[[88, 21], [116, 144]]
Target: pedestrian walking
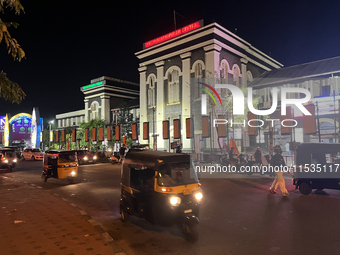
[[122, 152], [277, 160]]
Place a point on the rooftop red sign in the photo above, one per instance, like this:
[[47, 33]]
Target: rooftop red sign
[[174, 34]]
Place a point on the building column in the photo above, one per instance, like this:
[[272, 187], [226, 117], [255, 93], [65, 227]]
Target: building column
[[86, 101], [105, 112], [212, 70], [142, 102], [244, 72], [212, 61], [160, 105], [186, 97]]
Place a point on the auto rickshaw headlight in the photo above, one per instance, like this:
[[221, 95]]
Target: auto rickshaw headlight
[[85, 158], [15, 160], [6, 161], [175, 201], [94, 157], [199, 196]]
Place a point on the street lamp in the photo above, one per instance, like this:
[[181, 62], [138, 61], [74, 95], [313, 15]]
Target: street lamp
[[49, 138]]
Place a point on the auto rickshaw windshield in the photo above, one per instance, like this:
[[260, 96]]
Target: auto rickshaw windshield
[[67, 157], [176, 174], [8, 154]]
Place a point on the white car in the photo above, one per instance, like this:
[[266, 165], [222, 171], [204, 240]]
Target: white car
[[33, 154]]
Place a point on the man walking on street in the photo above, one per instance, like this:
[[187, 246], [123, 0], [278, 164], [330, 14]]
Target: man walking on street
[[277, 160], [121, 152]]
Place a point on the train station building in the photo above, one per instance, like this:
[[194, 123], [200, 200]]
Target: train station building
[[102, 98], [167, 65], [166, 94]]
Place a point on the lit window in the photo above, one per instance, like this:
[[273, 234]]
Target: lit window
[[151, 93], [199, 76], [94, 114], [224, 79], [236, 76], [173, 84], [249, 77]]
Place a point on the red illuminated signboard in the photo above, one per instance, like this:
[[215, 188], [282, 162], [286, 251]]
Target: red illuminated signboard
[[174, 34]]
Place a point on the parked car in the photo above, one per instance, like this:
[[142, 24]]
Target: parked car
[[32, 154], [85, 157]]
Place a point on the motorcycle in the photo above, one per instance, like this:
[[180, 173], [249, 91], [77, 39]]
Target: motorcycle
[[264, 162], [237, 163]]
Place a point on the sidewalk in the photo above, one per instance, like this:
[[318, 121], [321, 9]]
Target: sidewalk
[[34, 221]]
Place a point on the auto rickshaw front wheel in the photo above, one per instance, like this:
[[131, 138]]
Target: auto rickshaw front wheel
[[9, 168], [305, 188], [190, 232], [124, 216]]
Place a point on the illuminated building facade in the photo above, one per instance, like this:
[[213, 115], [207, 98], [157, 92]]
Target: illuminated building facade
[[101, 97], [322, 79], [167, 64], [18, 129]]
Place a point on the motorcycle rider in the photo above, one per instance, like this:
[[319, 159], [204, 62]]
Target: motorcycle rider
[[233, 156], [258, 155]]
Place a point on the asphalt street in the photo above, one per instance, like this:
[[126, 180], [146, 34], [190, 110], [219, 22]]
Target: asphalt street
[[238, 216]]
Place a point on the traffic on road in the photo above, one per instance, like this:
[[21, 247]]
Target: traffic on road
[[236, 215]]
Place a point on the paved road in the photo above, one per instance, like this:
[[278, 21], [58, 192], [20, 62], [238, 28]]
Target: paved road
[[238, 216]]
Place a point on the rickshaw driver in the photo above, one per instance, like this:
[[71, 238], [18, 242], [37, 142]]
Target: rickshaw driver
[[233, 156], [147, 179], [258, 155]]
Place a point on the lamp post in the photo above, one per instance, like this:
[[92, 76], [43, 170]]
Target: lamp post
[[153, 127], [49, 138], [115, 118]]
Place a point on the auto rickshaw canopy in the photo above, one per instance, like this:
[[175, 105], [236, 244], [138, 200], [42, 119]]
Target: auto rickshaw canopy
[[307, 151], [155, 158]]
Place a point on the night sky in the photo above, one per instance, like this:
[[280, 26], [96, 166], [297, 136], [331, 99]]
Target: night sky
[[71, 42]]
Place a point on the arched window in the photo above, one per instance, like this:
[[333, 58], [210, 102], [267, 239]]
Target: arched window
[[224, 78], [249, 77], [199, 77], [236, 76], [173, 87], [151, 92], [94, 114], [198, 71]]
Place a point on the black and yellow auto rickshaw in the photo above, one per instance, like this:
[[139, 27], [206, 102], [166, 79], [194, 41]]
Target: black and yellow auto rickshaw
[[317, 166], [161, 188], [60, 164], [8, 158]]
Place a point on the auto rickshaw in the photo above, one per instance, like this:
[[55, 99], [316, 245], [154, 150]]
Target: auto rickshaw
[[161, 188], [317, 167], [60, 164], [8, 158]]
